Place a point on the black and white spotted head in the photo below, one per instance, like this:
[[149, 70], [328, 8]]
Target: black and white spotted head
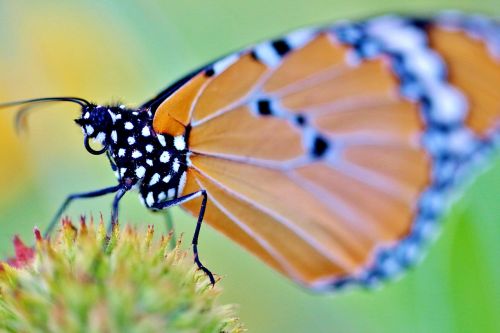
[[96, 122]]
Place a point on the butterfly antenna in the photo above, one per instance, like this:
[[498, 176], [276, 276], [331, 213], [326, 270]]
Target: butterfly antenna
[[28, 104]]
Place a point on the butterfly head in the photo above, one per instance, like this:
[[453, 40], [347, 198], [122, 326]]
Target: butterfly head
[[96, 122]]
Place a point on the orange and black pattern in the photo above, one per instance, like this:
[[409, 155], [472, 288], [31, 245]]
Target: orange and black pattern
[[329, 152]]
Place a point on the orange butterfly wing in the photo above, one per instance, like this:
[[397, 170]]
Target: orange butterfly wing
[[322, 152]]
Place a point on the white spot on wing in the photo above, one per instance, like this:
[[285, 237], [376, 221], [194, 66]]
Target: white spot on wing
[[171, 193], [299, 38], [166, 179], [121, 152], [149, 148], [267, 54], [146, 131], [89, 129], [129, 125], [224, 63], [131, 140]]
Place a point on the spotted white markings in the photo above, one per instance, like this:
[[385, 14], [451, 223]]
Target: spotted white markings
[[112, 115], [121, 152], [166, 179], [161, 139], [476, 26], [221, 65], [182, 182], [146, 131], [313, 141], [165, 157], [162, 196], [140, 172], [89, 129], [114, 136], [176, 165], [149, 148], [171, 193], [179, 142], [100, 137], [150, 200], [131, 140], [422, 75], [271, 52], [128, 126], [154, 179], [136, 154]]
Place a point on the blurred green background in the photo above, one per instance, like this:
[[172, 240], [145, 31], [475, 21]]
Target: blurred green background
[[123, 50]]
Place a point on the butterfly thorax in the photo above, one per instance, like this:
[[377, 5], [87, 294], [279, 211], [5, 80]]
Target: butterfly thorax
[[153, 163]]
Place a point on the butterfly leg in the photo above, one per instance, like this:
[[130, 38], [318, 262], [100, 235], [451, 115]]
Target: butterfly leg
[[114, 209], [72, 197], [196, 235]]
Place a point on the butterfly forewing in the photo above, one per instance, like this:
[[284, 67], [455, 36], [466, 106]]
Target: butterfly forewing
[[320, 151]]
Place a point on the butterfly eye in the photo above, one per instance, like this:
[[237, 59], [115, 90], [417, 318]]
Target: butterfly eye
[[86, 142]]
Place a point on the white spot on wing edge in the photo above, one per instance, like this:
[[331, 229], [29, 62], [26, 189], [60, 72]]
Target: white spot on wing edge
[[224, 63], [267, 54], [301, 37]]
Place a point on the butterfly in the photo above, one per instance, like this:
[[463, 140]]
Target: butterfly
[[329, 153]]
